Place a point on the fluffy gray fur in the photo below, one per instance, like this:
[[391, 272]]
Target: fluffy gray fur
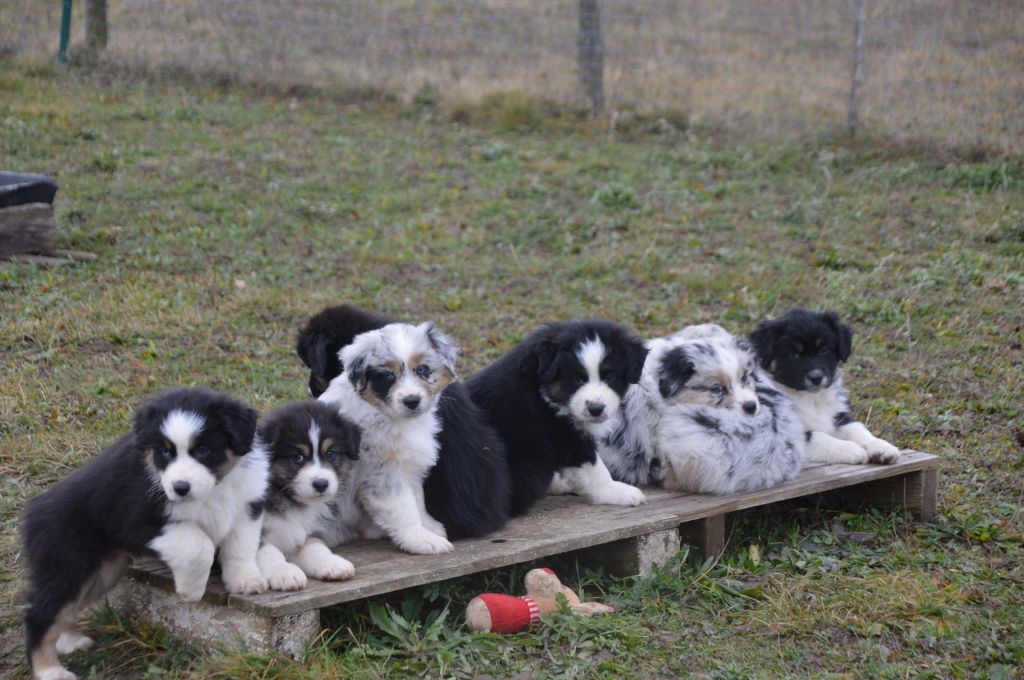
[[704, 418]]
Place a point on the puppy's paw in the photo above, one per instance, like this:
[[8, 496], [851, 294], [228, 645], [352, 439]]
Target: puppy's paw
[[54, 673], [881, 451], [333, 568], [423, 542], [435, 527], [244, 581], [73, 641], [286, 576], [618, 493], [190, 590], [849, 452]]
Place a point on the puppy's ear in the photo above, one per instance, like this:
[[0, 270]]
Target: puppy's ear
[[239, 423], [147, 417], [636, 353], [763, 340], [442, 344], [844, 336], [675, 371], [355, 438], [312, 348], [355, 367], [545, 350]]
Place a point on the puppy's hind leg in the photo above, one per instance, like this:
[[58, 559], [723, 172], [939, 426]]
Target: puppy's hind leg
[[71, 639]]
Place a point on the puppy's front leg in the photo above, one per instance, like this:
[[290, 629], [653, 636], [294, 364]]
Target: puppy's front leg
[[238, 566], [280, 574], [392, 505], [824, 448], [188, 551], [879, 450], [595, 483], [318, 561], [429, 522]]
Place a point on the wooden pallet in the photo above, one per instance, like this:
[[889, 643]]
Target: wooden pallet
[[623, 540]]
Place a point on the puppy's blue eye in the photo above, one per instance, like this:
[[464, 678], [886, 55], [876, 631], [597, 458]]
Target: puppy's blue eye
[[719, 389], [299, 457], [387, 376], [330, 454], [200, 453], [166, 454], [423, 371]]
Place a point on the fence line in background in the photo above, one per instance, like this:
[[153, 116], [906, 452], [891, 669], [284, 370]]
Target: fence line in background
[[937, 69]]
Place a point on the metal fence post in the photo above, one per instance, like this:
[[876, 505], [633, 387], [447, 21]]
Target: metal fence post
[[591, 54], [858, 66], [96, 25], [65, 33]]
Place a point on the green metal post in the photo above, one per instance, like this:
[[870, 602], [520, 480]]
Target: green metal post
[[65, 32]]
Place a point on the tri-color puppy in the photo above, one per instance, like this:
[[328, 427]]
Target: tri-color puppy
[[802, 351], [183, 484], [390, 385], [551, 398], [468, 489], [311, 449], [704, 418]]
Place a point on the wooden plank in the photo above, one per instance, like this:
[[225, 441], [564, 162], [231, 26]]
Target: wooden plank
[[557, 525], [707, 535], [28, 228], [914, 491]]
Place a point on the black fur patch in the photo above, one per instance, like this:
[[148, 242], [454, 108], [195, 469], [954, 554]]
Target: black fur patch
[[807, 436], [707, 422], [675, 371], [843, 418], [255, 509]]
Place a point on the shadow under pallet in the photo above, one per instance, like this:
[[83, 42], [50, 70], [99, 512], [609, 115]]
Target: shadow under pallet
[[623, 540]]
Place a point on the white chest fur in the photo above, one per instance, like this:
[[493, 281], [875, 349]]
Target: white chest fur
[[217, 514], [818, 410]]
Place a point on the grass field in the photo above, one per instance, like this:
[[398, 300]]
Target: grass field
[[223, 217]]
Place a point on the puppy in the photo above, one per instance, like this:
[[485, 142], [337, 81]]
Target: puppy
[[311, 449], [389, 386], [182, 484], [704, 418], [551, 398], [802, 351], [468, 489]]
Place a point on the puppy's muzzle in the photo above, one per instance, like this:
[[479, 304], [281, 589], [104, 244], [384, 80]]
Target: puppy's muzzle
[[750, 407]]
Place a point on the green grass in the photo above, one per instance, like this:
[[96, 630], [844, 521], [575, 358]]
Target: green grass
[[223, 217]]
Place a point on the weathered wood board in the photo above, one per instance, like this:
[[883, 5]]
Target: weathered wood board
[[562, 524], [28, 228]]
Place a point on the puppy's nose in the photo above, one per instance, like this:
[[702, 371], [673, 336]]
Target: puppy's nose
[[181, 488], [815, 376], [320, 485], [411, 402], [595, 408], [750, 407]]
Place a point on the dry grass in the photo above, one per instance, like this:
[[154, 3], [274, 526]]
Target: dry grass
[[936, 70]]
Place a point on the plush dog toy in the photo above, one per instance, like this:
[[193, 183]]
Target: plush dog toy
[[497, 613]]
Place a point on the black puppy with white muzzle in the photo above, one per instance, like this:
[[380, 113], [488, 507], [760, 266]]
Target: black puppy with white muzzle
[[802, 350], [183, 484], [551, 398], [311, 449]]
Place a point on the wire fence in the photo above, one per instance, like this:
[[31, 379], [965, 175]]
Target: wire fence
[[946, 71]]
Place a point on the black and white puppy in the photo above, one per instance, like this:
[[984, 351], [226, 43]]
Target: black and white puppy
[[802, 351], [704, 418], [551, 398], [468, 489], [389, 386], [183, 484], [312, 449]]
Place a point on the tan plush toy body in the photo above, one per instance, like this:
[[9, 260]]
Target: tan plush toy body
[[499, 613]]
